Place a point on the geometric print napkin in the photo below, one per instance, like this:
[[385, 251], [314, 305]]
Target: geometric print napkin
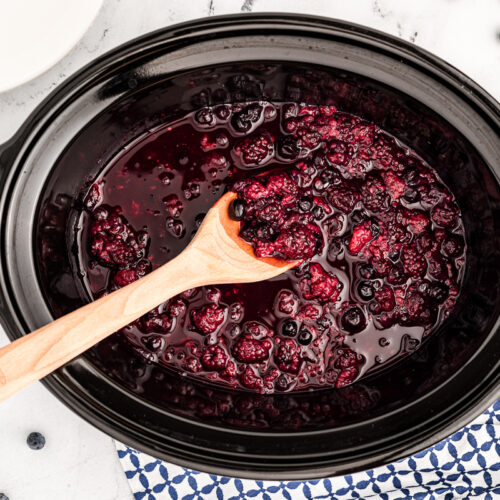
[[465, 465]]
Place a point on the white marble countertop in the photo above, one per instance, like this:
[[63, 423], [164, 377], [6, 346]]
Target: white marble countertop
[[78, 461]]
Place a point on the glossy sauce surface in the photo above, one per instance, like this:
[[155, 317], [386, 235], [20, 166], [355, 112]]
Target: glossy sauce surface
[[381, 235]]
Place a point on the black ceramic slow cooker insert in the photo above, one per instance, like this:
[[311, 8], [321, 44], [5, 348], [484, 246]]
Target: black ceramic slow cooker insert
[[446, 118]]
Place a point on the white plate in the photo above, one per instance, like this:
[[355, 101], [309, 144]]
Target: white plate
[[35, 34]]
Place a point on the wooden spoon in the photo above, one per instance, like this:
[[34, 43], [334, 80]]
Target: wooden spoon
[[216, 255]]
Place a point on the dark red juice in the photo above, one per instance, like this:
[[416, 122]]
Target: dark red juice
[[380, 234]]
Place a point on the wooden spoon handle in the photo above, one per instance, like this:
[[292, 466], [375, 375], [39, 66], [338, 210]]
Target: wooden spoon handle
[[33, 356]]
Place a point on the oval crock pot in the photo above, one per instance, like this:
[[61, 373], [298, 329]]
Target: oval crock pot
[[450, 121]]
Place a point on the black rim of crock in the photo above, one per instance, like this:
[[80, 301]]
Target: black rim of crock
[[239, 25]]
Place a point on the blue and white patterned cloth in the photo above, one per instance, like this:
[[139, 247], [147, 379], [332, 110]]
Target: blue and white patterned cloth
[[466, 465]]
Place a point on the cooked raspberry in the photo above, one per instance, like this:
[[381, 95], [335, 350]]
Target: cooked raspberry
[[374, 194], [249, 350], [385, 298], [433, 193], [445, 215], [307, 139], [299, 242], [325, 126], [397, 236], [418, 310], [157, 323], [414, 303], [395, 184], [361, 235], [309, 312], [287, 302], [208, 318], [257, 330], [287, 356], [264, 249], [418, 221], [113, 241], [207, 143], [346, 377], [213, 294], [255, 150], [364, 133], [323, 286], [176, 308], [250, 379], [308, 110], [343, 198], [427, 242], [380, 247], [229, 372], [192, 365], [413, 261], [384, 149], [282, 185], [272, 213], [290, 125], [339, 152], [381, 267], [124, 277], [347, 358], [254, 190], [214, 358]]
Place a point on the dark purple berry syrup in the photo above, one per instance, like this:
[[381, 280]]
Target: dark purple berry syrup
[[380, 233]]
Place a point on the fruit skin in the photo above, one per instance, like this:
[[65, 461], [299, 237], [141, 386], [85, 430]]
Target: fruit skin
[[365, 290], [353, 320], [289, 328], [305, 337], [35, 441]]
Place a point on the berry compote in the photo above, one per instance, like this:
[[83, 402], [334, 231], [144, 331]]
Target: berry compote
[[379, 235]]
